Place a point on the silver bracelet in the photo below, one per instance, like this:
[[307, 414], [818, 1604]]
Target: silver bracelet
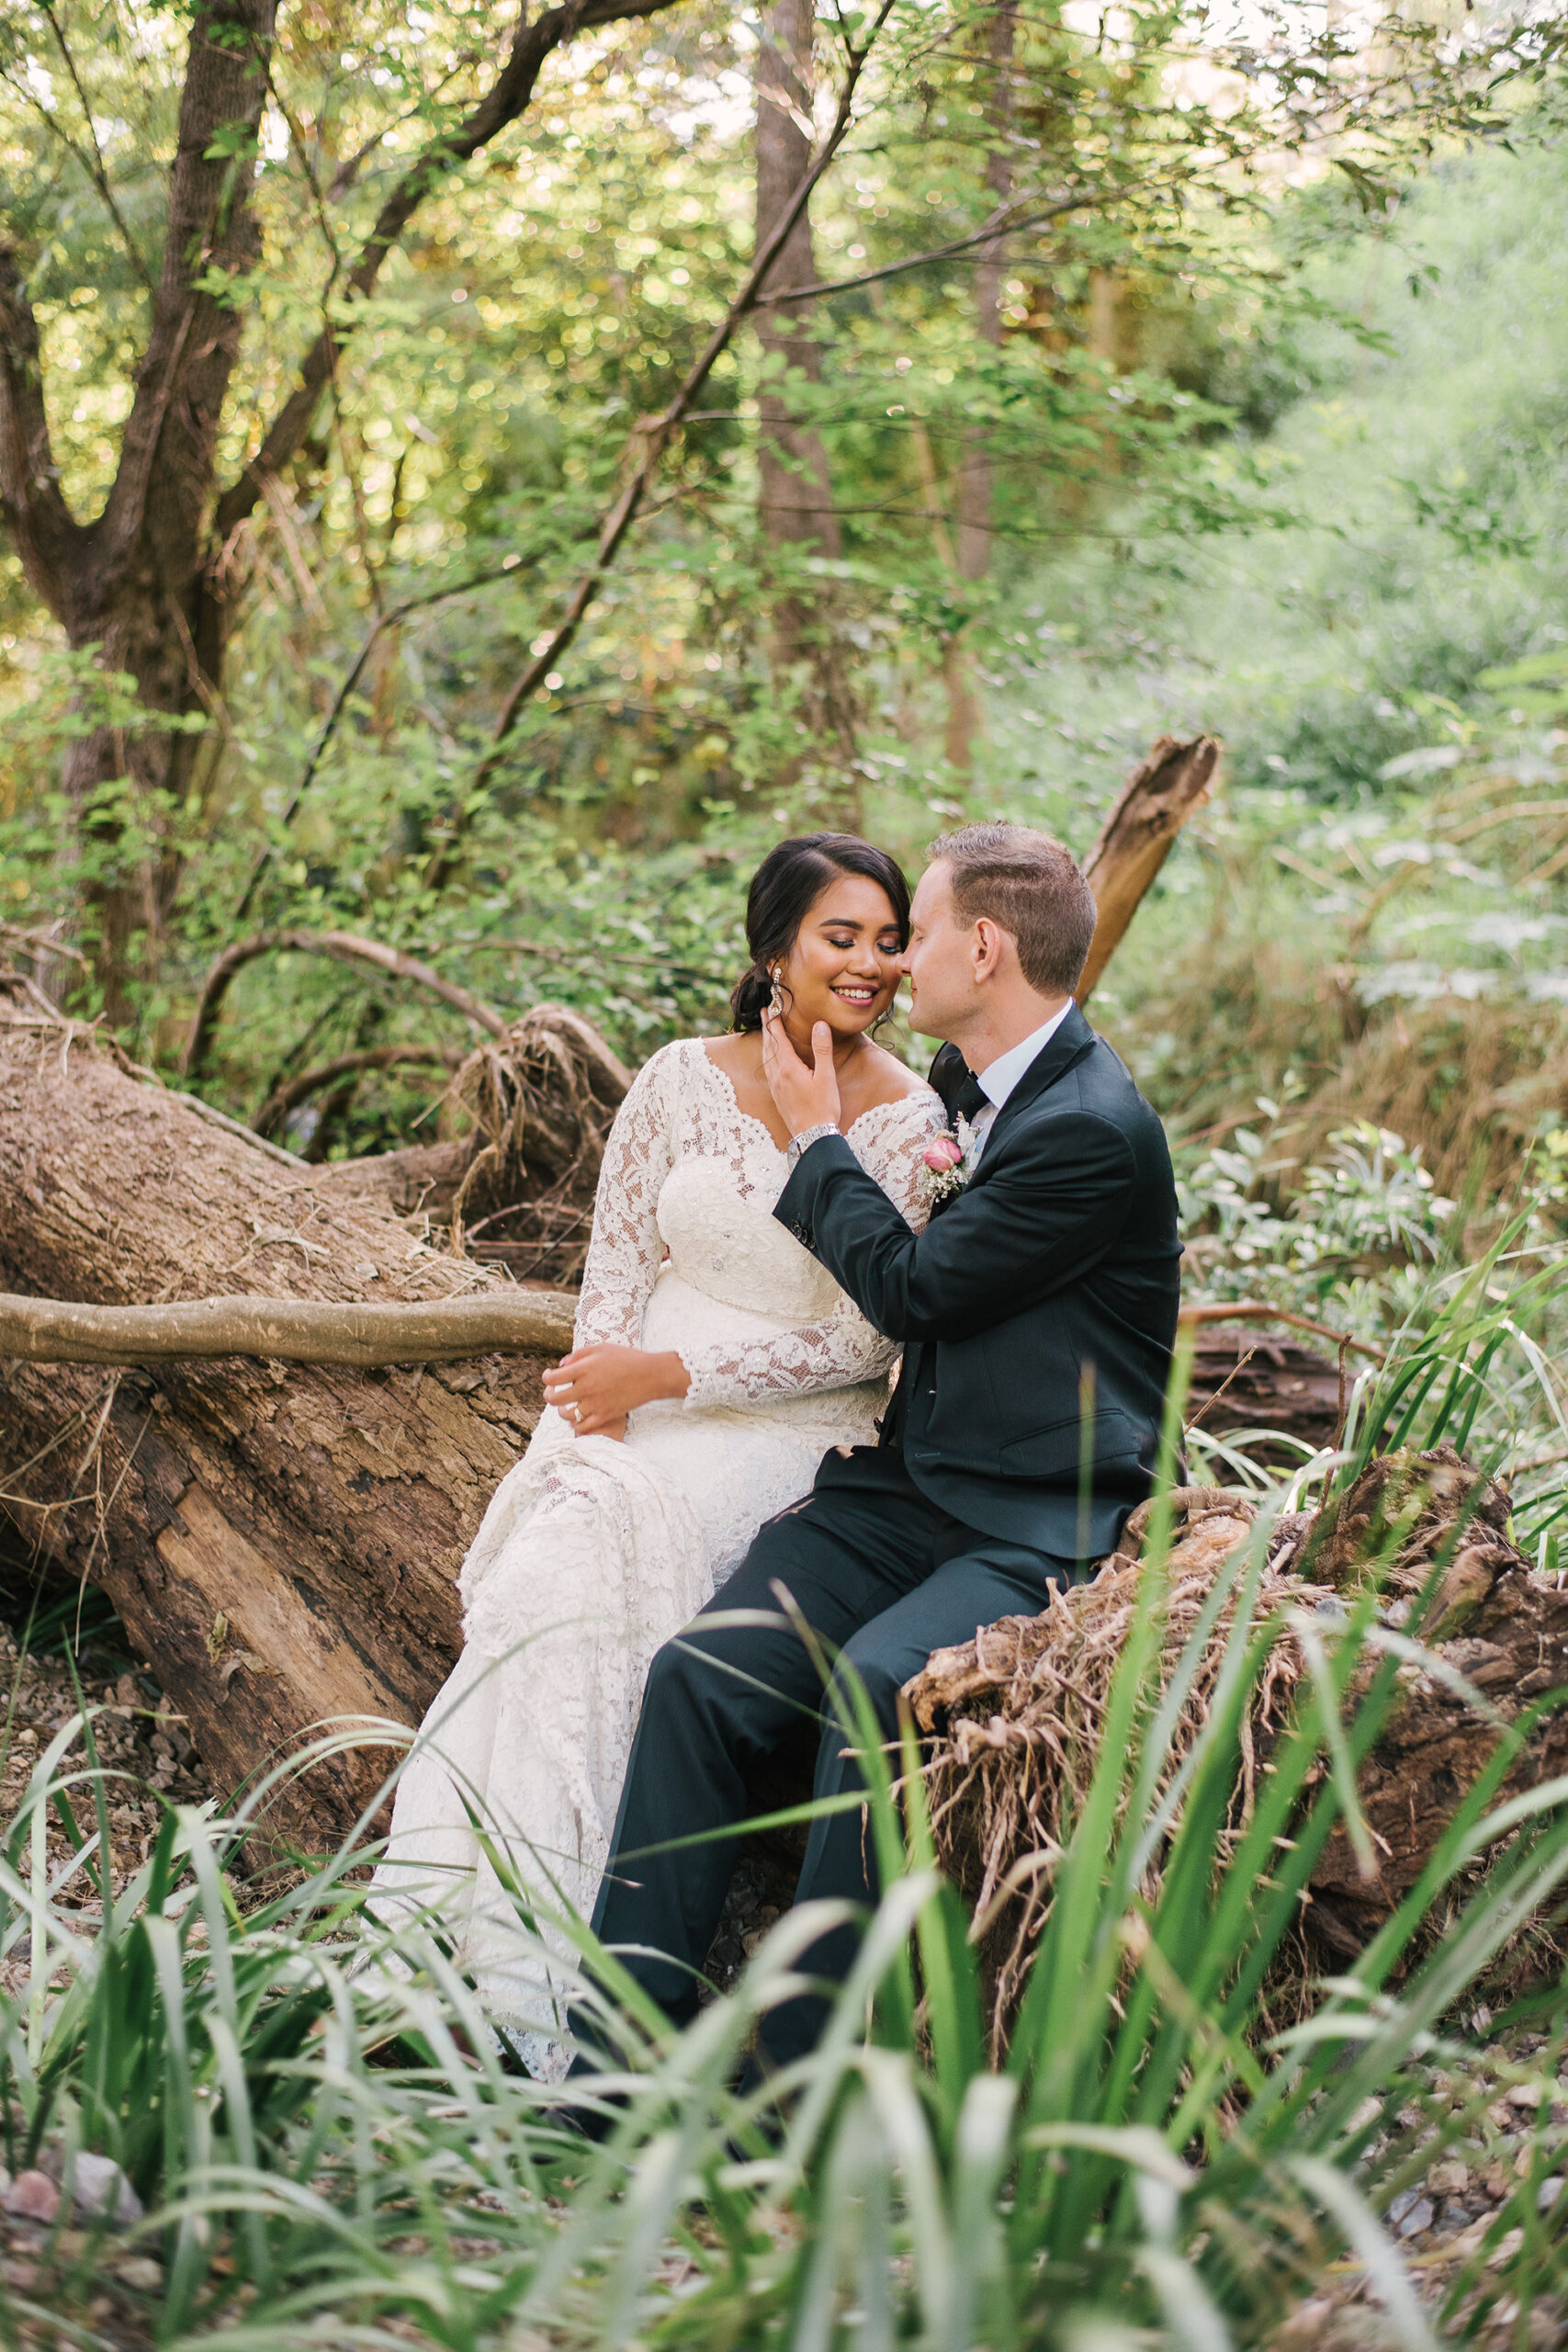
[[806, 1138]]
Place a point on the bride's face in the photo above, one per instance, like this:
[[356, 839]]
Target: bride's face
[[844, 966]]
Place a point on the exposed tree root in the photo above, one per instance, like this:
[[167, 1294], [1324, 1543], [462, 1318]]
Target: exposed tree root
[[1016, 1715]]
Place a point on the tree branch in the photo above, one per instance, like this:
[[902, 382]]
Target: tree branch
[[288, 1330], [505, 100], [503, 570], [656, 433], [167, 451], [48, 536], [344, 947], [1137, 837], [94, 166], [290, 1092], [994, 229]]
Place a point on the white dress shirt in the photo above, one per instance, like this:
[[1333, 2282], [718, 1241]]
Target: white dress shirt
[[997, 1079]]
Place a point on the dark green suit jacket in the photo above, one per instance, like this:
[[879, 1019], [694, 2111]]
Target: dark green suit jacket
[[1038, 1308]]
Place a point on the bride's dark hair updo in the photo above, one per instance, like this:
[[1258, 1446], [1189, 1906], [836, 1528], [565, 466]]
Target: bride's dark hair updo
[[786, 887]]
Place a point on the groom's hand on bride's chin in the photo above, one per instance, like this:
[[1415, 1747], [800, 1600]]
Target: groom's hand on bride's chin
[[805, 1097]]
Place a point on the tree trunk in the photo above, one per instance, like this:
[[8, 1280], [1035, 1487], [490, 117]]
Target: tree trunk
[[975, 483], [976, 478], [137, 588], [1136, 838], [142, 582], [794, 495], [795, 491], [280, 1542]]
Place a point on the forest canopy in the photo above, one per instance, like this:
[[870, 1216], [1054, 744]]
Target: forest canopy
[[473, 479]]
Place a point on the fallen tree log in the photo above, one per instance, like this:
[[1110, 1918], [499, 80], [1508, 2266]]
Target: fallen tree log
[[1014, 1716], [281, 1543]]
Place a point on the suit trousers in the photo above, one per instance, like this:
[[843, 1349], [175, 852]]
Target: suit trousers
[[882, 1576]]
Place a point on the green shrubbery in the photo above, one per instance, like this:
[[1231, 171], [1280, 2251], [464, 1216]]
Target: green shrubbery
[[327, 2145]]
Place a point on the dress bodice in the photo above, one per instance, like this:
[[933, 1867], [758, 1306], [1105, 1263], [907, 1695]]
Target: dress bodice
[[730, 1246], [687, 1254]]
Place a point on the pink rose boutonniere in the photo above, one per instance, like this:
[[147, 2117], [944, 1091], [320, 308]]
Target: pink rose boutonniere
[[950, 1162]]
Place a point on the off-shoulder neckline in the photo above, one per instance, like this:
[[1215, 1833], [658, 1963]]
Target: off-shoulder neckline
[[895, 1102]]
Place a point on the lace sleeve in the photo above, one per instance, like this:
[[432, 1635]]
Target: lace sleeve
[[625, 1250], [842, 1348]]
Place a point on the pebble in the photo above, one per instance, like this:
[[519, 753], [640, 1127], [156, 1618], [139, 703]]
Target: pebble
[[1421, 2216], [1449, 2179], [102, 2188], [140, 2271], [1549, 2192], [33, 2197], [20, 2275]]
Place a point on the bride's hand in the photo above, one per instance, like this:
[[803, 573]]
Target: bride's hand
[[595, 1388]]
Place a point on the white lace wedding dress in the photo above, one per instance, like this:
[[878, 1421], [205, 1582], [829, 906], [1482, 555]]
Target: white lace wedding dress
[[594, 1551]]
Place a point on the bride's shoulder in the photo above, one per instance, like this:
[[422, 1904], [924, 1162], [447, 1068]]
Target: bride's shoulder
[[898, 1096], [668, 1061]]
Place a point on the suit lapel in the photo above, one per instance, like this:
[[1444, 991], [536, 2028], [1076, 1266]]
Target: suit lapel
[[1071, 1042]]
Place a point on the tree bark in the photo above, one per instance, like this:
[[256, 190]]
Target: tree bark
[[976, 484], [281, 1543], [795, 494], [976, 479], [794, 491], [131, 584], [1014, 1715]]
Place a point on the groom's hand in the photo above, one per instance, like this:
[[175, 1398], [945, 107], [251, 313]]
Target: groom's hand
[[805, 1098]]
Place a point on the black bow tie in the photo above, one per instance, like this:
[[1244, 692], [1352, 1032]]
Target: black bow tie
[[970, 1099]]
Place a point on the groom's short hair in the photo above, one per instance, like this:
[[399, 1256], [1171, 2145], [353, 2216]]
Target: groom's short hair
[[1030, 888]]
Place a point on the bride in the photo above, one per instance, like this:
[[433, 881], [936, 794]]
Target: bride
[[713, 1362]]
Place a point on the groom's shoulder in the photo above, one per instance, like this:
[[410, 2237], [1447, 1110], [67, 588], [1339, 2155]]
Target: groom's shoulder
[[1099, 1085]]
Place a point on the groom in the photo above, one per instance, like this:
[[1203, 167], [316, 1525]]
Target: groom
[[1037, 1313]]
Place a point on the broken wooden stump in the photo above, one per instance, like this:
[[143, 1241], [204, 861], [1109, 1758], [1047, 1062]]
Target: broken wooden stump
[[1137, 837]]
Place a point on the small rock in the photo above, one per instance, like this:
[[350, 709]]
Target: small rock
[[102, 2188], [1549, 2192], [141, 2272], [20, 2275], [1418, 2216], [33, 2197], [1451, 2179]]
